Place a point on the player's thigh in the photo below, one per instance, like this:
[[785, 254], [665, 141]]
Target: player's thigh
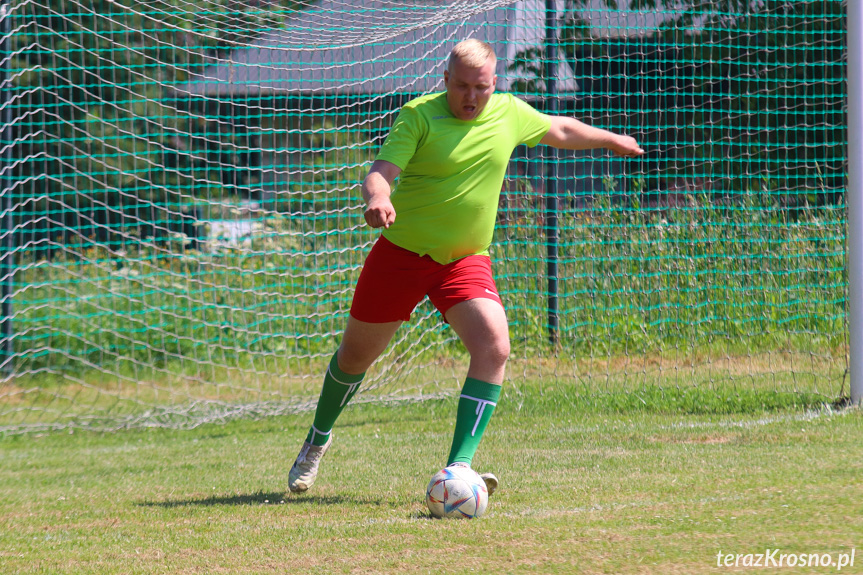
[[482, 326], [363, 342], [392, 282]]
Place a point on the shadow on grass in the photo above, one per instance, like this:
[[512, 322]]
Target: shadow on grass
[[423, 516], [260, 498]]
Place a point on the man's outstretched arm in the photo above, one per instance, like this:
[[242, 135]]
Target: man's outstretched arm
[[570, 134], [377, 188]]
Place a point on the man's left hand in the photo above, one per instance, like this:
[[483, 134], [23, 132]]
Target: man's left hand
[[625, 146]]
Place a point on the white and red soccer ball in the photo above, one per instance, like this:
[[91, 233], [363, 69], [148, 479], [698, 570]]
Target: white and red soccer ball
[[457, 492]]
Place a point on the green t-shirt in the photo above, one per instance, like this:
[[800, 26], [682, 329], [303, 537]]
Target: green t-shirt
[[452, 171]]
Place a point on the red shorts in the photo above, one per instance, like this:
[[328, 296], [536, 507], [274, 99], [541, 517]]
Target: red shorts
[[394, 280]]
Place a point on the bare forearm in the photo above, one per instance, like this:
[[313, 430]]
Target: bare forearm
[[571, 134], [377, 188]]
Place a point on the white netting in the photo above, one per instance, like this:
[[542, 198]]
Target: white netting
[[184, 224]]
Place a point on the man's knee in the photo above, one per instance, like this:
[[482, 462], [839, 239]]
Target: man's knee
[[496, 351], [362, 343], [354, 361], [502, 350]]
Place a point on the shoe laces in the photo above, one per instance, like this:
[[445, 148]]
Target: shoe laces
[[308, 457], [302, 457]]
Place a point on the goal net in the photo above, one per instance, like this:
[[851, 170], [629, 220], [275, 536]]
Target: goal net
[[182, 222]]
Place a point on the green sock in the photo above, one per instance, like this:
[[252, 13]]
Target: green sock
[[339, 387], [475, 406]]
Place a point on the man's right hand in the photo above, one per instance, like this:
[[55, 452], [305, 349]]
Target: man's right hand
[[380, 214], [377, 187]]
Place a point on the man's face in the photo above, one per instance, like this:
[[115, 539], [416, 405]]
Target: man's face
[[469, 89]]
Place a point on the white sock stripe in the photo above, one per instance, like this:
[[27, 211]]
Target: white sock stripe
[[478, 399], [337, 380], [479, 411], [351, 388], [480, 408], [316, 431]]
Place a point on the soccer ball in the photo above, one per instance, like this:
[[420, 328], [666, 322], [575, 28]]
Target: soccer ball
[[457, 492]]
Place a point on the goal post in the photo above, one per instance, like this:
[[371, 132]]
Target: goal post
[[7, 262], [855, 200], [182, 218]]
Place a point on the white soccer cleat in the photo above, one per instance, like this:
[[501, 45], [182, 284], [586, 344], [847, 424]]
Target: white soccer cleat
[[490, 479], [490, 482], [305, 469]]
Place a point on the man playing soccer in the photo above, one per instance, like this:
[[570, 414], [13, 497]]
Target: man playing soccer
[[450, 152]]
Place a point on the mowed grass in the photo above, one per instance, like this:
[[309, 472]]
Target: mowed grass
[[586, 488]]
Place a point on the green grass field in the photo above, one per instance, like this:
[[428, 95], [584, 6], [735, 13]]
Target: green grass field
[[586, 487]]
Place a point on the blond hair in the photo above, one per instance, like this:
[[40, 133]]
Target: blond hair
[[472, 53]]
